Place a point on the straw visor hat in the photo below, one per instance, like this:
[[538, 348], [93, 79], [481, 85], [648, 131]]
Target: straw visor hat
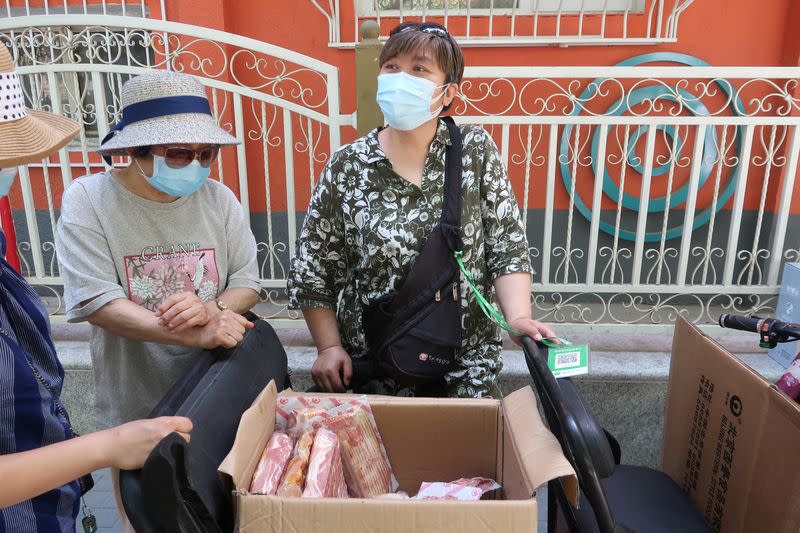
[[26, 135], [162, 108]]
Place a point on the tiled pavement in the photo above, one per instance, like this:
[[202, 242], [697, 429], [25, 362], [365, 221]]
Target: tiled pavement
[[101, 501]]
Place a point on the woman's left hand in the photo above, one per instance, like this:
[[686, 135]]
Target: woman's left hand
[[182, 311], [533, 328]]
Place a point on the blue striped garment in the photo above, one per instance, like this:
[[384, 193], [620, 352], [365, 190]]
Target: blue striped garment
[[28, 414]]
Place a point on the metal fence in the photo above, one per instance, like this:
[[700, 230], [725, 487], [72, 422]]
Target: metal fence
[[284, 107], [130, 8], [515, 22], [647, 191]]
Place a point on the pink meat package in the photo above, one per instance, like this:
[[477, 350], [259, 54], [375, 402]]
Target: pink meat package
[[464, 489], [366, 470], [364, 458], [325, 477], [272, 464], [291, 484]]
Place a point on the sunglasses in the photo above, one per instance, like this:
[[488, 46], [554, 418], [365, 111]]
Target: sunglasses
[[425, 27], [178, 157]]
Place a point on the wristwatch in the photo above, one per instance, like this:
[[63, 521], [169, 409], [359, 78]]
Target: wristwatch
[[221, 305]]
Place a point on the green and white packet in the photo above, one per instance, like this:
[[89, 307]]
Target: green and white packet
[[567, 359]]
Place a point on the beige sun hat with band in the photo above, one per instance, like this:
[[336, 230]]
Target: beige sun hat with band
[[162, 107], [26, 135]]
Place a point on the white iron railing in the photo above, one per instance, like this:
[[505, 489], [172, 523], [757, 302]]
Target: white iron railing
[[706, 158], [283, 105], [515, 22], [129, 8], [648, 191]]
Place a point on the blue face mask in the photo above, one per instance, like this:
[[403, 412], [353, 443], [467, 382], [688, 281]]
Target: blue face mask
[[406, 100], [6, 180], [176, 181]]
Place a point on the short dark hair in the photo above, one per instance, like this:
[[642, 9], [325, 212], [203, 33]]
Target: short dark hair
[[411, 36]]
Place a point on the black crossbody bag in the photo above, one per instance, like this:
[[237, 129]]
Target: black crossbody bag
[[414, 334]]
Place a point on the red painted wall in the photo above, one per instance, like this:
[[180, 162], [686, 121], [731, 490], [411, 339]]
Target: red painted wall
[[742, 33], [745, 32]]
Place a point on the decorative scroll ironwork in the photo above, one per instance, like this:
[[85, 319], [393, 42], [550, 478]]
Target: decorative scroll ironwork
[[514, 22], [206, 58]]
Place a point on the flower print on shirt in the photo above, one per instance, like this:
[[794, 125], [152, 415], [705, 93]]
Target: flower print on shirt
[[208, 291], [158, 272]]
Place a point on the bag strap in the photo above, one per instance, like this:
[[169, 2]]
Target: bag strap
[[433, 260], [453, 169]]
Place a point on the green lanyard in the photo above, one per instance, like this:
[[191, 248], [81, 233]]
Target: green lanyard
[[489, 310], [550, 344]]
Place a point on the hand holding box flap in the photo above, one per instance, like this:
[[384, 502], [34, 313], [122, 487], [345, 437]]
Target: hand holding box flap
[[531, 440], [252, 434]]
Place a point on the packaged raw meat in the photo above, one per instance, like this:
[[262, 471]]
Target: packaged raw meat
[[294, 411], [325, 477], [337, 488], [272, 464], [308, 407], [366, 469], [462, 489], [293, 478], [447, 491], [483, 483], [304, 419]]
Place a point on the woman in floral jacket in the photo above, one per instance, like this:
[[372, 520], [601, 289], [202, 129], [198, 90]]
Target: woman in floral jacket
[[378, 200]]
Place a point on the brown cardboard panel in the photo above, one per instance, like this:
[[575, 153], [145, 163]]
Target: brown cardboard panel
[[431, 440], [774, 495], [500, 461], [527, 439], [251, 438], [729, 438], [680, 402], [265, 514], [516, 485], [714, 411]]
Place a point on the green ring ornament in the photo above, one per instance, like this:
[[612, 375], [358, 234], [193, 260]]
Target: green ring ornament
[[707, 163]]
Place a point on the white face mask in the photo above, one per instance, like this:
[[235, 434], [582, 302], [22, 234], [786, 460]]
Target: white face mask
[[406, 100], [7, 176]]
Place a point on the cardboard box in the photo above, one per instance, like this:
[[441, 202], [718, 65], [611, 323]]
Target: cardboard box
[[788, 310], [731, 439], [427, 440]]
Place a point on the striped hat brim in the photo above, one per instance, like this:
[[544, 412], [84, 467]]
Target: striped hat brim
[[34, 137]]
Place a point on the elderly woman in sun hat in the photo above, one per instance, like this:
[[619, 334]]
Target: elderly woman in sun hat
[[155, 256], [41, 458]]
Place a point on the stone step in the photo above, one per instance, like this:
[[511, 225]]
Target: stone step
[[734, 341], [625, 388]]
